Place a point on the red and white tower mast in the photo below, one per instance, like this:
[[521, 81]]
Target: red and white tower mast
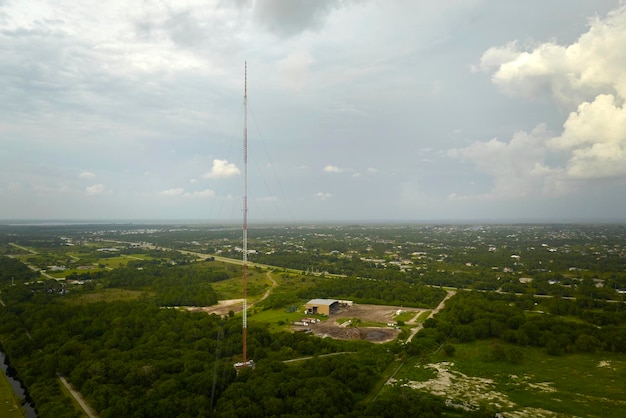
[[245, 213]]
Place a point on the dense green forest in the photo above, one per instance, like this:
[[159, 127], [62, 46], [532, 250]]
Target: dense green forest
[[14, 271], [175, 286], [378, 292], [569, 325], [330, 387], [136, 359]]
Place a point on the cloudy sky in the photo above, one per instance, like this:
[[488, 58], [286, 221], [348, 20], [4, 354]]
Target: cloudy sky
[[483, 110]]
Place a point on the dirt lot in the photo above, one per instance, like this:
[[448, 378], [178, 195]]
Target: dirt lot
[[336, 327], [222, 307], [333, 326]]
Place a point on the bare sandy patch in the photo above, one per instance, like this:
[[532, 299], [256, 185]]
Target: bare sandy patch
[[469, 392], [222, 307]]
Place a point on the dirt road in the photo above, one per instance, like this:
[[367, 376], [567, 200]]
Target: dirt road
[[79, 398], [235, 305], [435, 311], [269, 290]]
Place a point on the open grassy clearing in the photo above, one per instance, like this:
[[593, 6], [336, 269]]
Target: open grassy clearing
[[404, 316], [568, 318], [423, 316], [10, 406], [258, 283], [65, 273], [293, 283], [539, 385], [22, 257], [108, 295], [144, 257], [277, 319], [113, 262]]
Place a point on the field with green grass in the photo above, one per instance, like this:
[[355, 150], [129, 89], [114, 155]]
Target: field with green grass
[[276, 319], [66, 273], [10, 406], [590, 385], [404, 316], [423, 316], [108, 295], [258, 283]]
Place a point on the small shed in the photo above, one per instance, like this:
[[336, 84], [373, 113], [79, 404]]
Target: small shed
[[321, 306]]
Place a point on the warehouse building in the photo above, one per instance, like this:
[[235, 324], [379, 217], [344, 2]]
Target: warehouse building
[[321, 306]]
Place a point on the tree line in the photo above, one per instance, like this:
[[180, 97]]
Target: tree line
[[516, 320], [381, 292]]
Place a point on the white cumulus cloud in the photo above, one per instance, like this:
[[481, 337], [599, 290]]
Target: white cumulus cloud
[[587, 77], [595, 137], [592, 65], [172, 192], [295, 68], [96, 189], [332, 169], [200, 194], [180, 192], [518, 167], [222, 168], [86, 175], [322, 196]]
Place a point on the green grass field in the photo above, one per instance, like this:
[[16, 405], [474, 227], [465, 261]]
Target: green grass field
[[422, 317], [10, 406], [65, 273], [123, 260], [571, 385], [258, 283], [108, 295], [404, 316], [272, 317]]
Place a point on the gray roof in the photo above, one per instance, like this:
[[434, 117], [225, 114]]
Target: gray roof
[[322, 301]]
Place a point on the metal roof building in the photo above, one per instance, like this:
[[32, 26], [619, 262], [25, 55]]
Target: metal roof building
[[321, 306]]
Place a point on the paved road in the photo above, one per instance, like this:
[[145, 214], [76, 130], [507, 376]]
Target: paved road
[[23, 248], [30, 266]]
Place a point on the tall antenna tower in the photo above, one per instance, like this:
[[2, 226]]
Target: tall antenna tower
[[245, 362], [245, 212]]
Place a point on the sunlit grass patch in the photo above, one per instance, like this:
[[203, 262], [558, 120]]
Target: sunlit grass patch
[[277, 319], [404, 316], [423, 316], [114, 262], [9, 403], [65, 273], [258, 283], [108, 295]]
